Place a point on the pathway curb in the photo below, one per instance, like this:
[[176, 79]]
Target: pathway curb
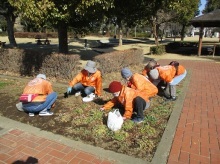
[[163, 149], [8, 124]]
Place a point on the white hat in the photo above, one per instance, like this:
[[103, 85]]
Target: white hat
[[154, 74], [90, 66], [42, 76]]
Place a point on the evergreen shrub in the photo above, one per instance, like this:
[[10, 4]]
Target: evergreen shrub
[[114, 61]]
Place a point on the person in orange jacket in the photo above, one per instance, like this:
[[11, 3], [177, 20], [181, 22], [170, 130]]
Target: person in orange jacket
[[170, 74], [44, 98], [88, 82], [139, 82], [149, 66], [134, 101]]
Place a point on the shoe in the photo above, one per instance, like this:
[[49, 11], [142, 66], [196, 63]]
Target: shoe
[[45, 113], [172, 98], [65, 95], [77, 94], [137, 120], [19, 106], [89, 98], [31, 114]]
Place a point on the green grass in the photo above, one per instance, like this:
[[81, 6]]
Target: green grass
[[3, 84]]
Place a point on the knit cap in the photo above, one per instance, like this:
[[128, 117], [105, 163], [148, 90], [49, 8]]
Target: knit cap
[[42, 76], [154, 74], [125, 73], [115, 86]]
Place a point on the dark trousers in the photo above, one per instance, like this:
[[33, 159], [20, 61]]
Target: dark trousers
[[139, 105]]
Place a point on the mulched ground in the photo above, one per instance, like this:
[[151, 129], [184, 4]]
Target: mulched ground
[[84, 122]]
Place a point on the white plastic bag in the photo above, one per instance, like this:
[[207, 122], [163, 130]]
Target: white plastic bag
[[115, 120]]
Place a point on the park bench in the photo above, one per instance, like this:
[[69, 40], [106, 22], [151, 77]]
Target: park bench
[[2, 44], [211, 50], [41, 41]]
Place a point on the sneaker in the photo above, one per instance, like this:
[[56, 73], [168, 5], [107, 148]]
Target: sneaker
[[45, 113], [137, 120], [19, 106], [77, 94], [172, 98], [89, 98], [31, 114]]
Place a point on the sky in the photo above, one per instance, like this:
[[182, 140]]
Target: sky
[[203, 2]]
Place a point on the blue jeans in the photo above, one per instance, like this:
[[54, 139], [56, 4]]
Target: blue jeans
[[85, 89], [35, 107]]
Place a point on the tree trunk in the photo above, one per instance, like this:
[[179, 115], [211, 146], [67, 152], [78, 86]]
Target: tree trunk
[[10, 18], [62, 36], [154, 30], [120, 37], [135, 30], [127, 32], [200, 40], [154, 26], [183, 32]]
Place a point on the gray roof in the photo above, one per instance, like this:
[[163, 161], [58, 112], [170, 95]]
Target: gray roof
[[211, 19]]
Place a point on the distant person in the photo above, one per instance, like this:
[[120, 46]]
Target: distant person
[[88, 83], [38, 97], [86, 44], [133, 101], [172, 74], [139, 82]]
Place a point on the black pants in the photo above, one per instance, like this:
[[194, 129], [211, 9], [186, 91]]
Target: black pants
[[139, 105]]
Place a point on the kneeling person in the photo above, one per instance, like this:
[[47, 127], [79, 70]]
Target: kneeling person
[[139, 82], [133, 101], [88, 82], [172, 74], [45, 96]]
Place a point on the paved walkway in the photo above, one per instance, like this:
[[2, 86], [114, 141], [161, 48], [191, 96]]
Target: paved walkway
[[19, 146], [196, 139]]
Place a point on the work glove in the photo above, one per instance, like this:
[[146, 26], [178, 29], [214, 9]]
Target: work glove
[[101, 109], [69, 89]]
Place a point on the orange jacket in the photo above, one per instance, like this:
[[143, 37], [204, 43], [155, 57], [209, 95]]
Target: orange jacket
[[94, 80], [181, 70], [38, 86], [126, 98], [141, 83], [166, 73], [145, 72]]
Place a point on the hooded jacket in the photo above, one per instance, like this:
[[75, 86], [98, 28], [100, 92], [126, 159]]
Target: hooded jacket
[[166, 73], [126, 98], [180, 70], [38, 86], [94, 80], [139, 82]]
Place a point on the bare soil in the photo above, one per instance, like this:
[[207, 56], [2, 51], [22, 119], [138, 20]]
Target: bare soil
[[84, 122]]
